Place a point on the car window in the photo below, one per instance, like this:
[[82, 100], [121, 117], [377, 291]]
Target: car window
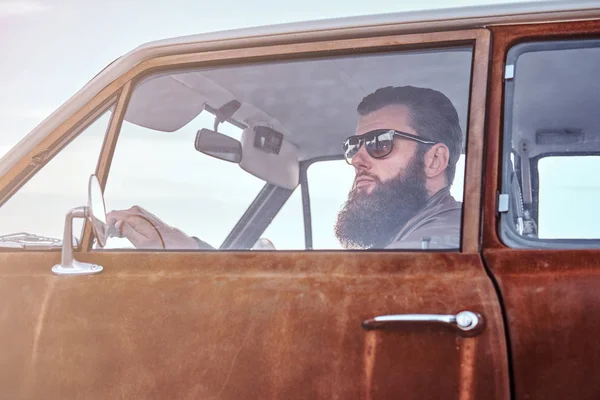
[[552, 145], [329, 183], [568, 197], [187, 174], [36, 212]]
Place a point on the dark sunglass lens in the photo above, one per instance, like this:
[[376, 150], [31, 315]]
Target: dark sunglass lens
[[380, 145], [351, 147]]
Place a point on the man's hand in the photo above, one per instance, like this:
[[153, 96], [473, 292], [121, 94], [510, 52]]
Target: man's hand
[[146, 231]]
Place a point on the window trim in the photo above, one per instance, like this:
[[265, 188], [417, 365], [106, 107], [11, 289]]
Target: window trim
[[305, 165], [506, 231], [106, 155], [306, 211], [263, 209]]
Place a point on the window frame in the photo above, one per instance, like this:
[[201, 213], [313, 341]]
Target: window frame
[[479, 39], [304, 166], [263, 209], [506, 231]]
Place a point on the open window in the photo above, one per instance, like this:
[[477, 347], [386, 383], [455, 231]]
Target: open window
[[287, 114], [552, 145]]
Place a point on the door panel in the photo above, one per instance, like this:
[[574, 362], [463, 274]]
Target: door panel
[[552, 301], [24, 300], [233, 325], [259, 325], [550, 297]]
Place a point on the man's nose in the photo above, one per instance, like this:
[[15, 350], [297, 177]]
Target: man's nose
[[362, 159]]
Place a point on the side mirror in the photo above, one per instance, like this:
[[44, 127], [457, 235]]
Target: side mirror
[[217, 145], [95, 213]]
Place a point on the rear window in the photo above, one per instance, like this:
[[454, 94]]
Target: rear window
[[552, 145], [569, 193]]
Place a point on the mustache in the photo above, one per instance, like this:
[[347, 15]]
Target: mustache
[[368, 175]]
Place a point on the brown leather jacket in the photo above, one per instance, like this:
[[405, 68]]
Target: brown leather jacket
[[435, 226]]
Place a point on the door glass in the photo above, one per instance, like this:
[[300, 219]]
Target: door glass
[[569, 192], [196, 188], [329, 183], [40, 206], [552, 144]]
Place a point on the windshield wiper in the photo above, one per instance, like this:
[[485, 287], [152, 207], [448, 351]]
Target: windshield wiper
[[24, 240]]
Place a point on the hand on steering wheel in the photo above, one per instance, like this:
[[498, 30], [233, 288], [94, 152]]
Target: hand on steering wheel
[[146, 231]]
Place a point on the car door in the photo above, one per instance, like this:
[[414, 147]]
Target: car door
[[236, 323], [541, 234]]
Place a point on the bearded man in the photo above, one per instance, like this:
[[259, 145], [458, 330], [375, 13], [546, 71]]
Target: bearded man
[[404, 153]]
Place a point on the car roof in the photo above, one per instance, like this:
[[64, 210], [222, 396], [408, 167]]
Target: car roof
[[462, 17]]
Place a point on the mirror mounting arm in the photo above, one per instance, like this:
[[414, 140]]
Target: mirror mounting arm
[[67, 253], [216, 125], [225, 112], [68, 265], [95, 213]]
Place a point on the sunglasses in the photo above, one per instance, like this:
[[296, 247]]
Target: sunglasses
[[378, 143]]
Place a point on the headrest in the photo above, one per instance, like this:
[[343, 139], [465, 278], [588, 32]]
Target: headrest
[[267, 155]]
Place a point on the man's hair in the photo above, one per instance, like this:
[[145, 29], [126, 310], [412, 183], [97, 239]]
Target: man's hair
[[432, 115]]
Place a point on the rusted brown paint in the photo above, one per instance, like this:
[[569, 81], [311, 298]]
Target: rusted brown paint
[[370, 349], [468, 363], [260, 325], [552, 300], [550, 297]]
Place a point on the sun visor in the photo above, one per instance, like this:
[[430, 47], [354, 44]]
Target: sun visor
[[163, 104], [267, 155]]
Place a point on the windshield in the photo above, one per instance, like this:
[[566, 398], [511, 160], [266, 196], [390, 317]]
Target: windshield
[[162, 172]]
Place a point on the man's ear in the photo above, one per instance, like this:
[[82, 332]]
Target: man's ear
[[436, 160]]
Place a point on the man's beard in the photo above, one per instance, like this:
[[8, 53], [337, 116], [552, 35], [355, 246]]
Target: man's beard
[[371, 220]]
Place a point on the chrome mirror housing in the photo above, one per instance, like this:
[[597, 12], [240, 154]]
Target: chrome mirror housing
[[95, 213]]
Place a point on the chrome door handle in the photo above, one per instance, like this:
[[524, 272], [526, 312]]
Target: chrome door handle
[[466, 322]]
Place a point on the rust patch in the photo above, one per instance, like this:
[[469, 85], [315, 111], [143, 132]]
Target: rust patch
[[369, 361], [29, 381], [235, 357], [342, 330], [468, 352]]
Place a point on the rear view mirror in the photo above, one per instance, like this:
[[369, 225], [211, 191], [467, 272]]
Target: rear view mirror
[[217, 145]]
